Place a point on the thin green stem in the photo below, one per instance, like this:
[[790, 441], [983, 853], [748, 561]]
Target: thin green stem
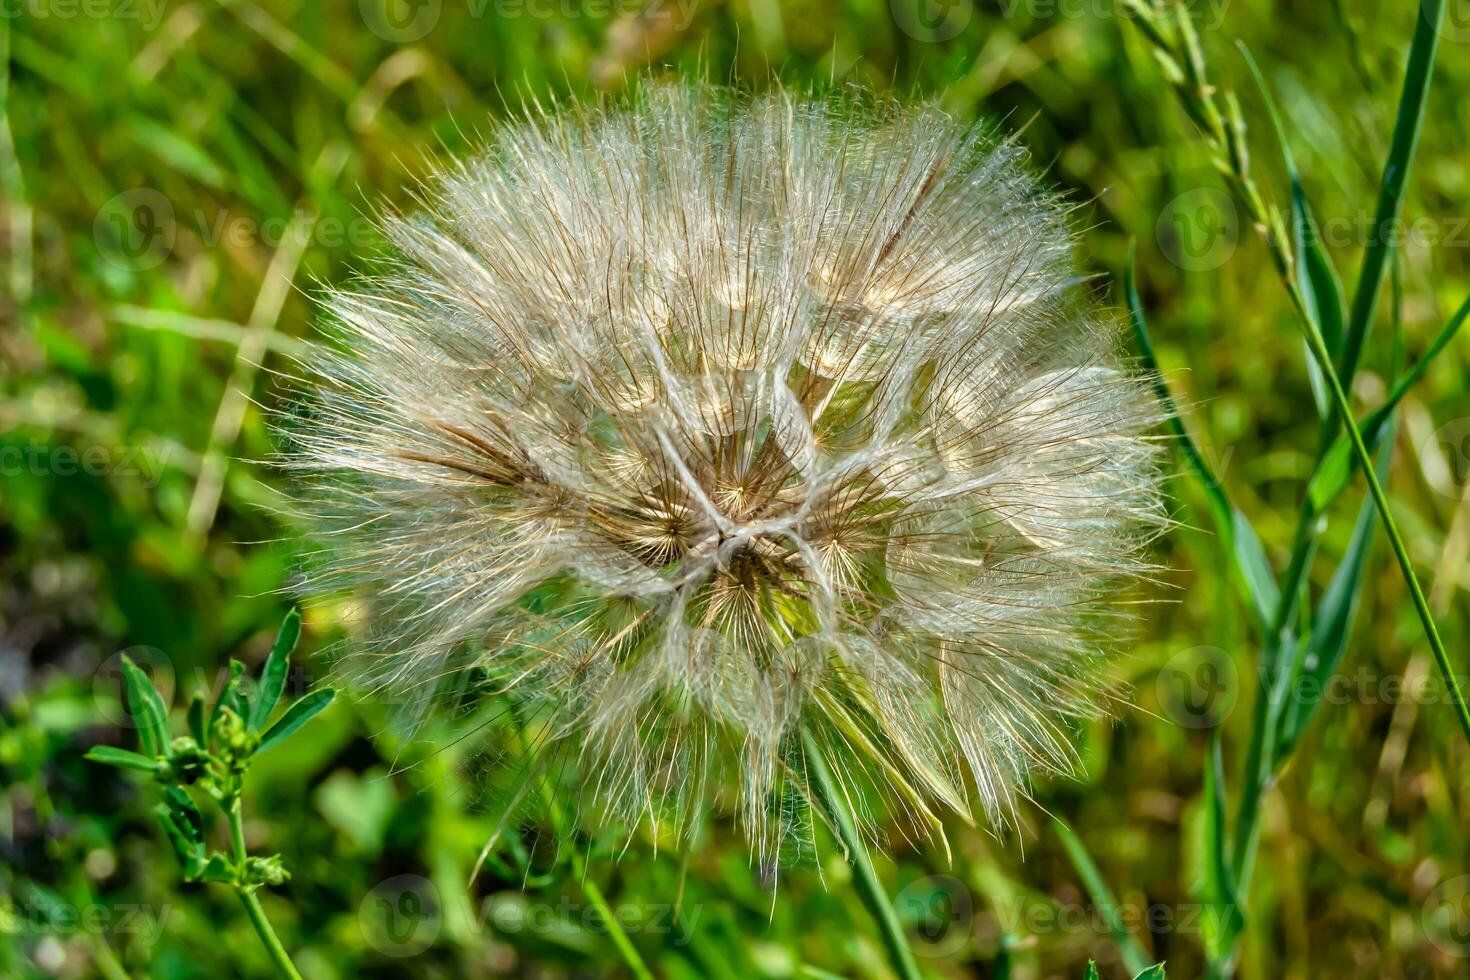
[[1180, 54], [267, 935], [106, 960], [1396, 540], [631, 957], [1102, 896], [253, 909], [12, 183], [1412, 101], [237, 831], [614, 928], [870, 889], [1259, 758]]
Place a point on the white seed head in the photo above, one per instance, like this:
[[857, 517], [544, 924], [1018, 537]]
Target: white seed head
[[697, 421]]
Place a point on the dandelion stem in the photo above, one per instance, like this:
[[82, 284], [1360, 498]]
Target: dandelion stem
[[615, 931], [869, 887], [1102, 896], [614, 928], [253, 909]]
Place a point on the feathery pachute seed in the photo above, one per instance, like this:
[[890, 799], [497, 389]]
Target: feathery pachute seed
[[697, 422]]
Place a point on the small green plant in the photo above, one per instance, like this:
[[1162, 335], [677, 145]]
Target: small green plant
[[1155, 972], [1300, 639], [212, 760]]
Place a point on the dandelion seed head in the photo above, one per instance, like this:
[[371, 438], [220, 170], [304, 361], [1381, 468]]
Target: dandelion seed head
[[694, 421]]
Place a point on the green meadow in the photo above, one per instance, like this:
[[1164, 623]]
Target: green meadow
[[1273, 201]]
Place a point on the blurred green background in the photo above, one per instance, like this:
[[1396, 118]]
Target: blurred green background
[[180, 177]]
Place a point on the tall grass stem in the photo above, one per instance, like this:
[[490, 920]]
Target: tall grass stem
[[870, 889], [253, 908]]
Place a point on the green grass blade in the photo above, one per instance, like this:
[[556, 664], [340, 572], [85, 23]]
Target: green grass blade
[[1428, 19], [1337, 464], [1315, 275], [273, 675], [1251, 570], [1219, 887], [1102, 897], [1395, 539], [297, 715], [831, 798], [1332, 623], [149, 712], [111, 755]]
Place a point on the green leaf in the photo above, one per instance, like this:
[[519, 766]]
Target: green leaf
[[1102, 896], [297, 715], [1155, 972], [184, 826], [273, 676], [182, 806], [218, 869], [1338, 464], [1320, 288], [110, 755], [1418, 72], [149, 712], [1332, 622], [230, 697], [1316, 278], [1219, 888], [1331, 475], [196, 721], [1091, 973], [189, 856], [1252, 572]]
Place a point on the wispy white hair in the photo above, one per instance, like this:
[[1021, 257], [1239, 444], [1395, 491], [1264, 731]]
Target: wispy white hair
[[703, 420]]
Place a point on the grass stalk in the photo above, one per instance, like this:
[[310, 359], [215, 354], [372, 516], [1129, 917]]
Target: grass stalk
[[615, 929], [870, 889], [12, 184], [1178, 50], [253, 908], [1418, 71], [632, 959], [1102, 896], [1396, 540]]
